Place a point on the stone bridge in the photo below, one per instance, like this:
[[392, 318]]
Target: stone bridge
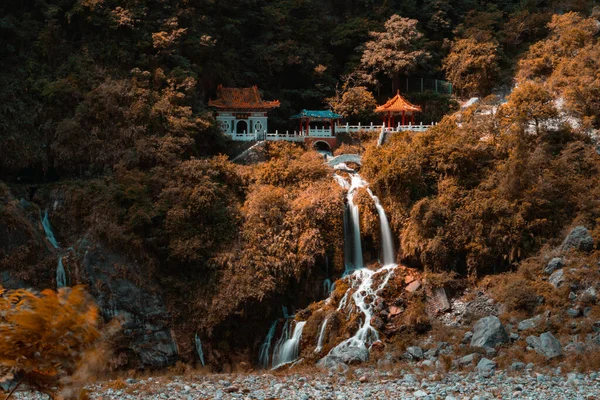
[[345, 158]]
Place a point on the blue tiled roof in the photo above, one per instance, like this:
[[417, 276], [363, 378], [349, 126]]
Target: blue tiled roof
[[324, 114]]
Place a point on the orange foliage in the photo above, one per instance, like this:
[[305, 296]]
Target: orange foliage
[[49, 337]]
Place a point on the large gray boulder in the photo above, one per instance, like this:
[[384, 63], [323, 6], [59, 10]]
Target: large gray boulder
[[350, 354], [579, 239], [486, 365], [546, 345], [413, 353], [488, 332]]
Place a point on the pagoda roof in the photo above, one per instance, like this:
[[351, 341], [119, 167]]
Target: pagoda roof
[[241, 99], [398, 104], [316, 114]]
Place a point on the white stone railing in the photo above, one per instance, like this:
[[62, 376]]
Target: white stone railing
[[356, 128], [325, 132]]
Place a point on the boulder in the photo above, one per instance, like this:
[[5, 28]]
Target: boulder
[[530, 323], [573, 312], [413, 287], [486, 365], [332, 363], [553, 265], [467, 360], [546, 344], [350, 354], [557, 278], [488, 332], [517, 366], [413, 353], [579, 239]]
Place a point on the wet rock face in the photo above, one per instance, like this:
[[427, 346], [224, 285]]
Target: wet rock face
[[579, 239], [143, 311]]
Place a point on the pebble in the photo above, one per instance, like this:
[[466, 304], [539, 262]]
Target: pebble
[[376, 385]]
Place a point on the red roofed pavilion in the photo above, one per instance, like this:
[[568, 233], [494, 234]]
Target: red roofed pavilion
[[398, 105], [241, 111]]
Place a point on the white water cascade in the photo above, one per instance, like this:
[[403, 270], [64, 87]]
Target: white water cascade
[[263, 356], [386, 233], [321, 337], [287, 351], [363, 293], [356, 262], [199, 349]]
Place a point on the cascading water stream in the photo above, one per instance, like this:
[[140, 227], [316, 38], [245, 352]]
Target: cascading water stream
[[387, 243], [48, 230], [61, 275], [321, 337], [199, 349], [287, 351], [263, 357], [361, 292]]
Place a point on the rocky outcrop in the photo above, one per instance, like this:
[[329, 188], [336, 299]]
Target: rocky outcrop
[[142, 309], [488, 332], [579, 239]]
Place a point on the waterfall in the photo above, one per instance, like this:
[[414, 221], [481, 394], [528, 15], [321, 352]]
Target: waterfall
[[287, 351], [387, 243], [357, 182], [48, 230], [263, 357], [321, 337], [199, 349], [61, 276], [362, 293]]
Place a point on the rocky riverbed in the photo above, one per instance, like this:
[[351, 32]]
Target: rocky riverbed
[[360, 383]]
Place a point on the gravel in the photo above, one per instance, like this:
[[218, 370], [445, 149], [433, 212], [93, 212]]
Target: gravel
[[362, 383]]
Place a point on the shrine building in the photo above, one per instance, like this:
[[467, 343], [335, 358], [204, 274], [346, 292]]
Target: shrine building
[[399, 107], [241, 111]]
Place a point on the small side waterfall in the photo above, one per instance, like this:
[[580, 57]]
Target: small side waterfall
[[48, 230], [287, 351], [61, 276], [199, 349], [263, 357], [321, 336]]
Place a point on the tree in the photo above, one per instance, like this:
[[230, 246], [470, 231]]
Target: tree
[[529, 102], [472, 66], [393, 52], [356, 102], [48, 339]]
